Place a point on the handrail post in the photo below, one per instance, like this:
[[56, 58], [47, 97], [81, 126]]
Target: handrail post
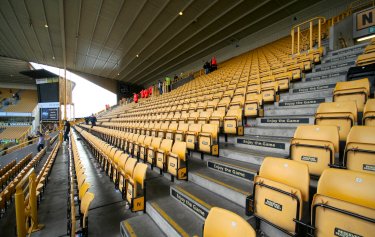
[[298, 35], [20, 212], [292, 34], [319, 36], [311, 35], [33, 201]]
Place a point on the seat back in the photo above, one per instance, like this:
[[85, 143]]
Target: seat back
[[316, 146], [166, 145], [344, 204], [148, 140], [223, 223], [85, 205], [360, 149], [369, 113], [129, 167], [278, 180], [156, 142], [357, 91], [212, 129], [82, 191], [341, 114]]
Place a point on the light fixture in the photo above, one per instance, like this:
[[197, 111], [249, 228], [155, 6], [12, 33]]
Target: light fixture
[[137, 55], [180, 13], [53, 57], [11, 75], [118, 74], [46, 25], [366, 38]]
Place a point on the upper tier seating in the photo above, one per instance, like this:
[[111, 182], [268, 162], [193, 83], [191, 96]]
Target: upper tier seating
[[13, 132], [26, 104]]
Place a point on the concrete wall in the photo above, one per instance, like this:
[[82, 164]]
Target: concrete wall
[[326, 8]]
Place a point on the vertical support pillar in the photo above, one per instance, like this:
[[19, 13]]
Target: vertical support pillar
[[298, 36], [20, 212], [292, 35], [319, 33], [311, 35]]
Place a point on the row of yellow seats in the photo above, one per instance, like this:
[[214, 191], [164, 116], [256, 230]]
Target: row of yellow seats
[[368, 56], [343, 205], [79, 199], [318, 145], [230, 122], [27, 163], [167, 155], [128, 175]]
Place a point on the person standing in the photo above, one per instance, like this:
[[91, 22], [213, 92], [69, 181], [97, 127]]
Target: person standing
[[168, 83], [93, 120], [213, 64], [40, 141], [66, 130], [206, 67], [135, 98], [160, 87]]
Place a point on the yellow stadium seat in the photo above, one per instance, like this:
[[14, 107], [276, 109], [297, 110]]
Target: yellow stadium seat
[[192, 135], [143, 147], [223, 223], [208, 139], [177, 161], [344, 204], [181, 132], [151, 151], [233, 122], [365, 59], [204, 117], [341, 114], [280, 192], [315, 146], [137, 145], [217, 117], [162, 154], [369, 113], [357, 91], [163, 129], [136, 189], [360, 149], [253, 105], [171, 131]]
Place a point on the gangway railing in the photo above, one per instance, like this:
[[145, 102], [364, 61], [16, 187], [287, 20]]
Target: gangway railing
[[26, 205], [311, 23]]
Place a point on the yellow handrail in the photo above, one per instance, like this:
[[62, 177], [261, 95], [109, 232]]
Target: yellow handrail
[[26, 210], [320, 20]]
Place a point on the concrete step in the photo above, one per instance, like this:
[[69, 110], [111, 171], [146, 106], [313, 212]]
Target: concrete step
[[341, 71], [228, 187], [347, 50], [252, 156], [173, 218], [234, 168], [277, 145], [336, 62], [140, 226], [300, 104], [334, 65], [281, 121], [344, 56], [270, 131], [306, 95], [199, 200], [299, 111], [315, 85]]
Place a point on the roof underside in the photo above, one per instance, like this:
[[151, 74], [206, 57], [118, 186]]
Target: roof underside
[[103, 38]]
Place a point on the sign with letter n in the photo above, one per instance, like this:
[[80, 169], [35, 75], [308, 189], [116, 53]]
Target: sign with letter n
[[364, 23]]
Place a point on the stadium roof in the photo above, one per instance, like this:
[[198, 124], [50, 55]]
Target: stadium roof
[[135, 41]]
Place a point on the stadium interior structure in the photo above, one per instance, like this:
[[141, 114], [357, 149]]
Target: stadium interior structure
[[275, 137]]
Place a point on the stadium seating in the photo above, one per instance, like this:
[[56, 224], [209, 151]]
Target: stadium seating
[[14, 132], [316, 146], [344, 204], [281, 190], [360, 149], [341, 114], [221, 222], [358, 91], [369, 113]]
